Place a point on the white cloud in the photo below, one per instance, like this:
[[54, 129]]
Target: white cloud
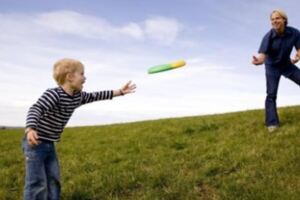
[[65, 22], [133, 30], [70, 22], [162, 29]]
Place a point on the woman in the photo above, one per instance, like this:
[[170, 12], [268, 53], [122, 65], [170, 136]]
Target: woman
[[275, 51]]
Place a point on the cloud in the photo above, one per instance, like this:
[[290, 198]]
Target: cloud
[[74, 23], [133, 30], [160, 29], [70, 22]]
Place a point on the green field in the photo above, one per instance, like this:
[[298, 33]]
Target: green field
[[217, 157]]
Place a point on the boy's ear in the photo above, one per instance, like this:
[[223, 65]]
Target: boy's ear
[[69, 76]]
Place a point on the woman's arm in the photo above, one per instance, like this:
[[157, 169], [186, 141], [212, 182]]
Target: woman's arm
[[296, 58], [260, 59]]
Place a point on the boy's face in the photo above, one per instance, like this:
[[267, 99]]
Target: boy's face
[[77, 79]]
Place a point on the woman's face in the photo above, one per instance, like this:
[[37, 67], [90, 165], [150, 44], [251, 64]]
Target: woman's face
[[278, 22]]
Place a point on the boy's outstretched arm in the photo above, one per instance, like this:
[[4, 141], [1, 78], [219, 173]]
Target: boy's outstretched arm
[[126, 89]]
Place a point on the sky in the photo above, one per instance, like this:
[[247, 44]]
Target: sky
[[119, 40]]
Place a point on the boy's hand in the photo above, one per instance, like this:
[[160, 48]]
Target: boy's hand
[[32, 137], [128, 88]]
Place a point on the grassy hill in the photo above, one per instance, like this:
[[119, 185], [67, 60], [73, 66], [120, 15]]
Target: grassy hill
[[217, 157]]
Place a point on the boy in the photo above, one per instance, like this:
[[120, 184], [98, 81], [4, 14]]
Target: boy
[[45, 122]]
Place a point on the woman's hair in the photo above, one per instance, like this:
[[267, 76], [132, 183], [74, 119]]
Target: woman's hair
[[64, 66], [282, 14]]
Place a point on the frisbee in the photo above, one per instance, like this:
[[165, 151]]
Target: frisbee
[[166, 67]]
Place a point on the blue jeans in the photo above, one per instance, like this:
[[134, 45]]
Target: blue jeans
[[272, 118], [42, 179]]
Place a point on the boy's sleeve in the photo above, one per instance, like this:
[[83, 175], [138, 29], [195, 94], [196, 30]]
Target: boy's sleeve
[[45, 103], [96, 96]]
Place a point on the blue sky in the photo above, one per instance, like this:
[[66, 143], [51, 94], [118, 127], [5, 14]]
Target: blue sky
[[119, 40]]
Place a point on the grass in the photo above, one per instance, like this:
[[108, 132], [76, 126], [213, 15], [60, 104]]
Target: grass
[[217, 157]]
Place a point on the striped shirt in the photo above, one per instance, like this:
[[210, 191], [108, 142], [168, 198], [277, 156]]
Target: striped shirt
[[50, 114]]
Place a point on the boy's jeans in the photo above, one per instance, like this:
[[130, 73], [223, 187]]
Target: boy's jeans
[[272, 88], [42, 180]]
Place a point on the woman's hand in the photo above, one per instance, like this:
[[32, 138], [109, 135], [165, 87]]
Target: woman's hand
[[258, 60], [295, 59]]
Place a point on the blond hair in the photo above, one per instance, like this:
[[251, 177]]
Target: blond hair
[[64, 66], [282, 14]]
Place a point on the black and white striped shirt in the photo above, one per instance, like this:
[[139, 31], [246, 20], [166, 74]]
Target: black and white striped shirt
[[49, 115]]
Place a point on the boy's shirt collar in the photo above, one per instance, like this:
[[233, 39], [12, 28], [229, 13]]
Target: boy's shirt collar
[[72, 96]]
